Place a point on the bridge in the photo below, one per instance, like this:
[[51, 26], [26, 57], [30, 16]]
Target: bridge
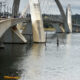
[[36, 20], [55, 19], [6, 24]]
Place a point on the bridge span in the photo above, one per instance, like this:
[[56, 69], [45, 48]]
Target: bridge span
[[36, 20], [55, 21]]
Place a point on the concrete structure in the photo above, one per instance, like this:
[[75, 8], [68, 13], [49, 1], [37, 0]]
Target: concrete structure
[[66, 27], [69, 17], [15, 8], [6, 24], [37, 22]]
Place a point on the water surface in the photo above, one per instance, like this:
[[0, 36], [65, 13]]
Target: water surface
[[50, 61]]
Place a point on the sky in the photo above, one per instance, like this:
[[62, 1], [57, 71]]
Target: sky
[[49, 6]]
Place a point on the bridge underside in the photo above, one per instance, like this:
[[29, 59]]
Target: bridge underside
[[10, 36], [11, 23]]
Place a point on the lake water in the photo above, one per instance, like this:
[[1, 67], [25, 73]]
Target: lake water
[[50, 61]]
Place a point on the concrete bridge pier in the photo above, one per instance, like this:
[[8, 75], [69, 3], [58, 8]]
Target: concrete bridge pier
[[66, 27], [15, 8], [37, 22], [17, 31], [69, 17]]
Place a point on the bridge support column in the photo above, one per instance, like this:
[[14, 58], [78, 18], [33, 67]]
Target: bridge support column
[[37, 22], [69, 18], [19, 34], [15, 8], [66, 27]]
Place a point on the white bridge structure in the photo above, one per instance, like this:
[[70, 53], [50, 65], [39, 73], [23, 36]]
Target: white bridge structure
[[36, 19]]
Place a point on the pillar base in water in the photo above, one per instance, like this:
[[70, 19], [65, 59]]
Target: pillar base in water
[[37, 22]]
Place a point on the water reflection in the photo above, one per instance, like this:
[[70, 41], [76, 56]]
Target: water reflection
[[68, 40], [33, 64], [41, 62], [10, 57], [68, 44]]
